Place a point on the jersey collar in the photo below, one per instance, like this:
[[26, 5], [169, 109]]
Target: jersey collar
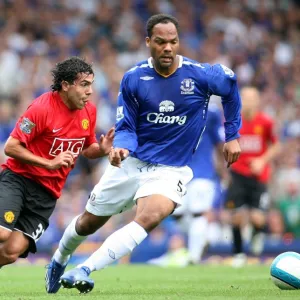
[[179, 64]]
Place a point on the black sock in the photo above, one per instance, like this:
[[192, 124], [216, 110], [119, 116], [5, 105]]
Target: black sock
[[257, 230], [237, 240]]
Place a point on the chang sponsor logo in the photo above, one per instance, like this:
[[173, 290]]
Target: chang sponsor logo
[[161, 118], [166, 106]]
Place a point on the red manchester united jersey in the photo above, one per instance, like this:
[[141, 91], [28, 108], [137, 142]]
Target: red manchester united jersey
[[256, 135], [47, 128]]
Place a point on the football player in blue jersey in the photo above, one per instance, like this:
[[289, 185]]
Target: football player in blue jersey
[[161, 115], [203, 191]]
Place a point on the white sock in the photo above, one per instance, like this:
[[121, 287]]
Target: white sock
[[197, 238], [117, 245], [68, 243]]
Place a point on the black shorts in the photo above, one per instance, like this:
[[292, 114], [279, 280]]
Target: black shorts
[[246, 191], [25, 206]]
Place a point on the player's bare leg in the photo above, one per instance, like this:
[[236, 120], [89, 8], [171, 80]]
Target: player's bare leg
[[151, 211], [10, 249], [4, 234], [77, 231]]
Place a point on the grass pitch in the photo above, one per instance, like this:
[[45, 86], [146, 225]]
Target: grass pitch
[[138, 282]]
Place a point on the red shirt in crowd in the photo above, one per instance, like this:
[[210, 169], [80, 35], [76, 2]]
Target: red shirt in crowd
[[256, 135], [47, 128]]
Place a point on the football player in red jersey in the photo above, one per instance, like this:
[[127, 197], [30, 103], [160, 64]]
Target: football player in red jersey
[[43, 147], [247, 193]]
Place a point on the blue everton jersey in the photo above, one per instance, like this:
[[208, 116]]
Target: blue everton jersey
[[161, 119], [202, 164]]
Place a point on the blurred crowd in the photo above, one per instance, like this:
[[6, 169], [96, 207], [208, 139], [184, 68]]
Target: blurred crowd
[[258, 39]]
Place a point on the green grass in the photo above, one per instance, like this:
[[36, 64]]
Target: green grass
[[153, 283]]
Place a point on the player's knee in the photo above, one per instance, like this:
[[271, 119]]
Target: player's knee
[[84, 227], [149, 220], [237, 219], [4, 235], [257, 218], [8, 256], [88, 224]]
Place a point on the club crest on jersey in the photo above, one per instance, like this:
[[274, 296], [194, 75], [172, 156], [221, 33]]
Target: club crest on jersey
[[85, 124], [26, 125], [187, 86], [258, 129], [9, 217]]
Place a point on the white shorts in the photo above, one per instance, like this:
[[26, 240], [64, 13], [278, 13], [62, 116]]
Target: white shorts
[[199, 198], [118, 188]]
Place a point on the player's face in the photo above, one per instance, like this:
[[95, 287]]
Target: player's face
[[250, 100], [163, 44], [79, 92]]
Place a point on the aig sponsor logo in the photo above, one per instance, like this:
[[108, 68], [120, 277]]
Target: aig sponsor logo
[[251, 143], [61, 145]]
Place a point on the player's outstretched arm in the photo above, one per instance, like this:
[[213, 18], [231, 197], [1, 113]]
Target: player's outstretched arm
[[117, 155], [102, 148], [15, 149]]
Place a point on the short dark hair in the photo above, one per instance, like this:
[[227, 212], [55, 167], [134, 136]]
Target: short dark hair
[[160, 18], [68, 70]]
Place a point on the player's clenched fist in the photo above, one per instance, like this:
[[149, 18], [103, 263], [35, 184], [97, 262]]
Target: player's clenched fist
[[64, 159], [116, 155], [232, 151]]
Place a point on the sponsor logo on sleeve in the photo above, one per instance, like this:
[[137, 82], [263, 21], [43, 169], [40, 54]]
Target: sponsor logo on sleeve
[[120, 114], [26, 125], [227, 71]]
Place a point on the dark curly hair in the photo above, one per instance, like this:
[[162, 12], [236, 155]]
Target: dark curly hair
[[160, 18], [68, 70]]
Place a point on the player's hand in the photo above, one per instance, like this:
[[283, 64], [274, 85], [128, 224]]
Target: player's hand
[[231, 151], [64, 159], [116, 155], [105, 141], [257, 165]]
